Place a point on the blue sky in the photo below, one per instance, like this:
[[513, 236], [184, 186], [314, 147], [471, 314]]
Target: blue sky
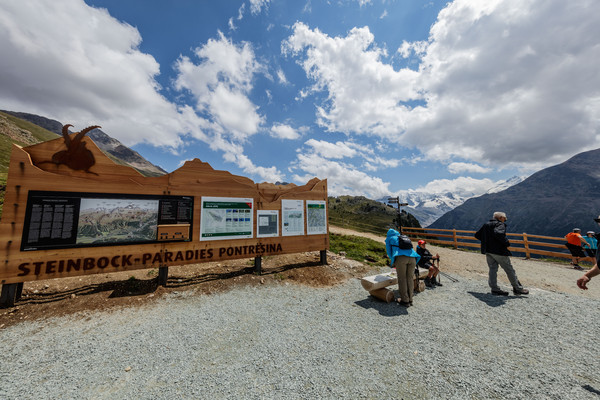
[[379, 97]]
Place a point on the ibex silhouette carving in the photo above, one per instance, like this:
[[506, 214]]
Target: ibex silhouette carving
[[76, 156]]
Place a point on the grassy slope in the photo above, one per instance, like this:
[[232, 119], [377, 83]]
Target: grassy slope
[[6, 143], [365, 215], [359, 249]]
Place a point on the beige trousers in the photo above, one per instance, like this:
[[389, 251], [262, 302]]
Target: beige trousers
[[405, 268]]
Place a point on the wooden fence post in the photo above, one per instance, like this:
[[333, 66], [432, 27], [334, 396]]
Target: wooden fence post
[[526, 245], [454, 238]]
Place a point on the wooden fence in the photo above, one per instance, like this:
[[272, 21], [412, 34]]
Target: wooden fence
[[522, 243]]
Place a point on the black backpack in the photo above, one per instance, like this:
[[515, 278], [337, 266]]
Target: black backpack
[[404, 242]]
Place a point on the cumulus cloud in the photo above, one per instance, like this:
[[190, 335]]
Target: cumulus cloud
[[501, 82], [332, 150], [342, 179], [221, 82], [461, 168], [462, 186], [282, 131], [97, 76], [365, 95]]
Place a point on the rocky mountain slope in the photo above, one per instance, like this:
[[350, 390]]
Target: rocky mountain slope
[[550, 202], [110, 146]]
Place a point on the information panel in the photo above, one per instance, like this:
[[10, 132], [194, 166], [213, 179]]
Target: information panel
[[267, 223], [55, 220], [226, 218], [316, 217], [292, 217]]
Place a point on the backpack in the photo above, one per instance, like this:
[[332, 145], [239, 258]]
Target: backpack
[[404, 242]]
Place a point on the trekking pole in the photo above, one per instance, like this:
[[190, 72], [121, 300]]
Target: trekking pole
[[448, 276]]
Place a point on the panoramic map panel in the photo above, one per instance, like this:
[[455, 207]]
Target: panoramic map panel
[[117, 221]]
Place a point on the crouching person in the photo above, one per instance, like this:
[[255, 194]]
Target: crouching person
[[427, 261], [404, 259]]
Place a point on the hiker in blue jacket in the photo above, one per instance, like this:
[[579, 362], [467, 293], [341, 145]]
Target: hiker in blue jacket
[[592, 244], [404, 259]]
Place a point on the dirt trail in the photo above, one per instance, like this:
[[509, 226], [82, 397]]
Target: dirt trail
[[532, 273]]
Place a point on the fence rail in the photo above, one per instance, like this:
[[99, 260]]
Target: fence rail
[[519, 242]]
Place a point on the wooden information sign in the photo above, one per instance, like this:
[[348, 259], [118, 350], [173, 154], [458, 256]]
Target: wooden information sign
[[69, 210]]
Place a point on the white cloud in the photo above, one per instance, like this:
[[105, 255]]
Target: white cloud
[[365, 95], [461, 168], [256, 6], [332, 150], [79, 65], [506, 80], [281, 76], [375, 163], [462, 186], [221, 83], [500, 82], [282, 131], [341, 179]]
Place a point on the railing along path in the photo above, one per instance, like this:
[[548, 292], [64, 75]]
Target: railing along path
[[523, 243]]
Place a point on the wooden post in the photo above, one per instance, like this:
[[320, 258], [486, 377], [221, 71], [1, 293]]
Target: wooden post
[[258, 265], [9, 295], [526, 244], [19, 291], [454, 238], [323, 255], [163, 274]]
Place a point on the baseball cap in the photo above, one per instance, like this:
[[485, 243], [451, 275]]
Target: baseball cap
[[421, 242]]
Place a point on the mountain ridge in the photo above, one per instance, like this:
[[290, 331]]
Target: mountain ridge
[[118, 152], [550, 202]]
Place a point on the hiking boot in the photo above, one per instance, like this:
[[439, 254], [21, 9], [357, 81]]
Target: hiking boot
[[499, 292], [518, 291], [437, 283], [428, 282], [577, 267]]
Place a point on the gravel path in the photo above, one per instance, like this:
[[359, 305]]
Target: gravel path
[[286, 341]]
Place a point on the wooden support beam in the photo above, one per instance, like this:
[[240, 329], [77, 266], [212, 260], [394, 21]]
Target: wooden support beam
[[258, 265], [323, 255], [8, 297], [163, 274]]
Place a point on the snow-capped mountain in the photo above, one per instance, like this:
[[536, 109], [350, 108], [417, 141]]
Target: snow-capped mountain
[[428, 207], [506, 184]]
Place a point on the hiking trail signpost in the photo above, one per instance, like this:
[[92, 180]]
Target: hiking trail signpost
[[69, 210]]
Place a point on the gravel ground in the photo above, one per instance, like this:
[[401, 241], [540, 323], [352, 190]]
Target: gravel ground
[[287, 341]]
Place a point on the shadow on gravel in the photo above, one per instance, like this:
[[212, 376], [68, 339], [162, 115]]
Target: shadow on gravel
[[493, 300], [128, 287], [385, 309], [591, 389], [175, 281], [139, 287]]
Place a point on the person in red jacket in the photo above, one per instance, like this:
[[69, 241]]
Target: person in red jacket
[[574, 240]]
